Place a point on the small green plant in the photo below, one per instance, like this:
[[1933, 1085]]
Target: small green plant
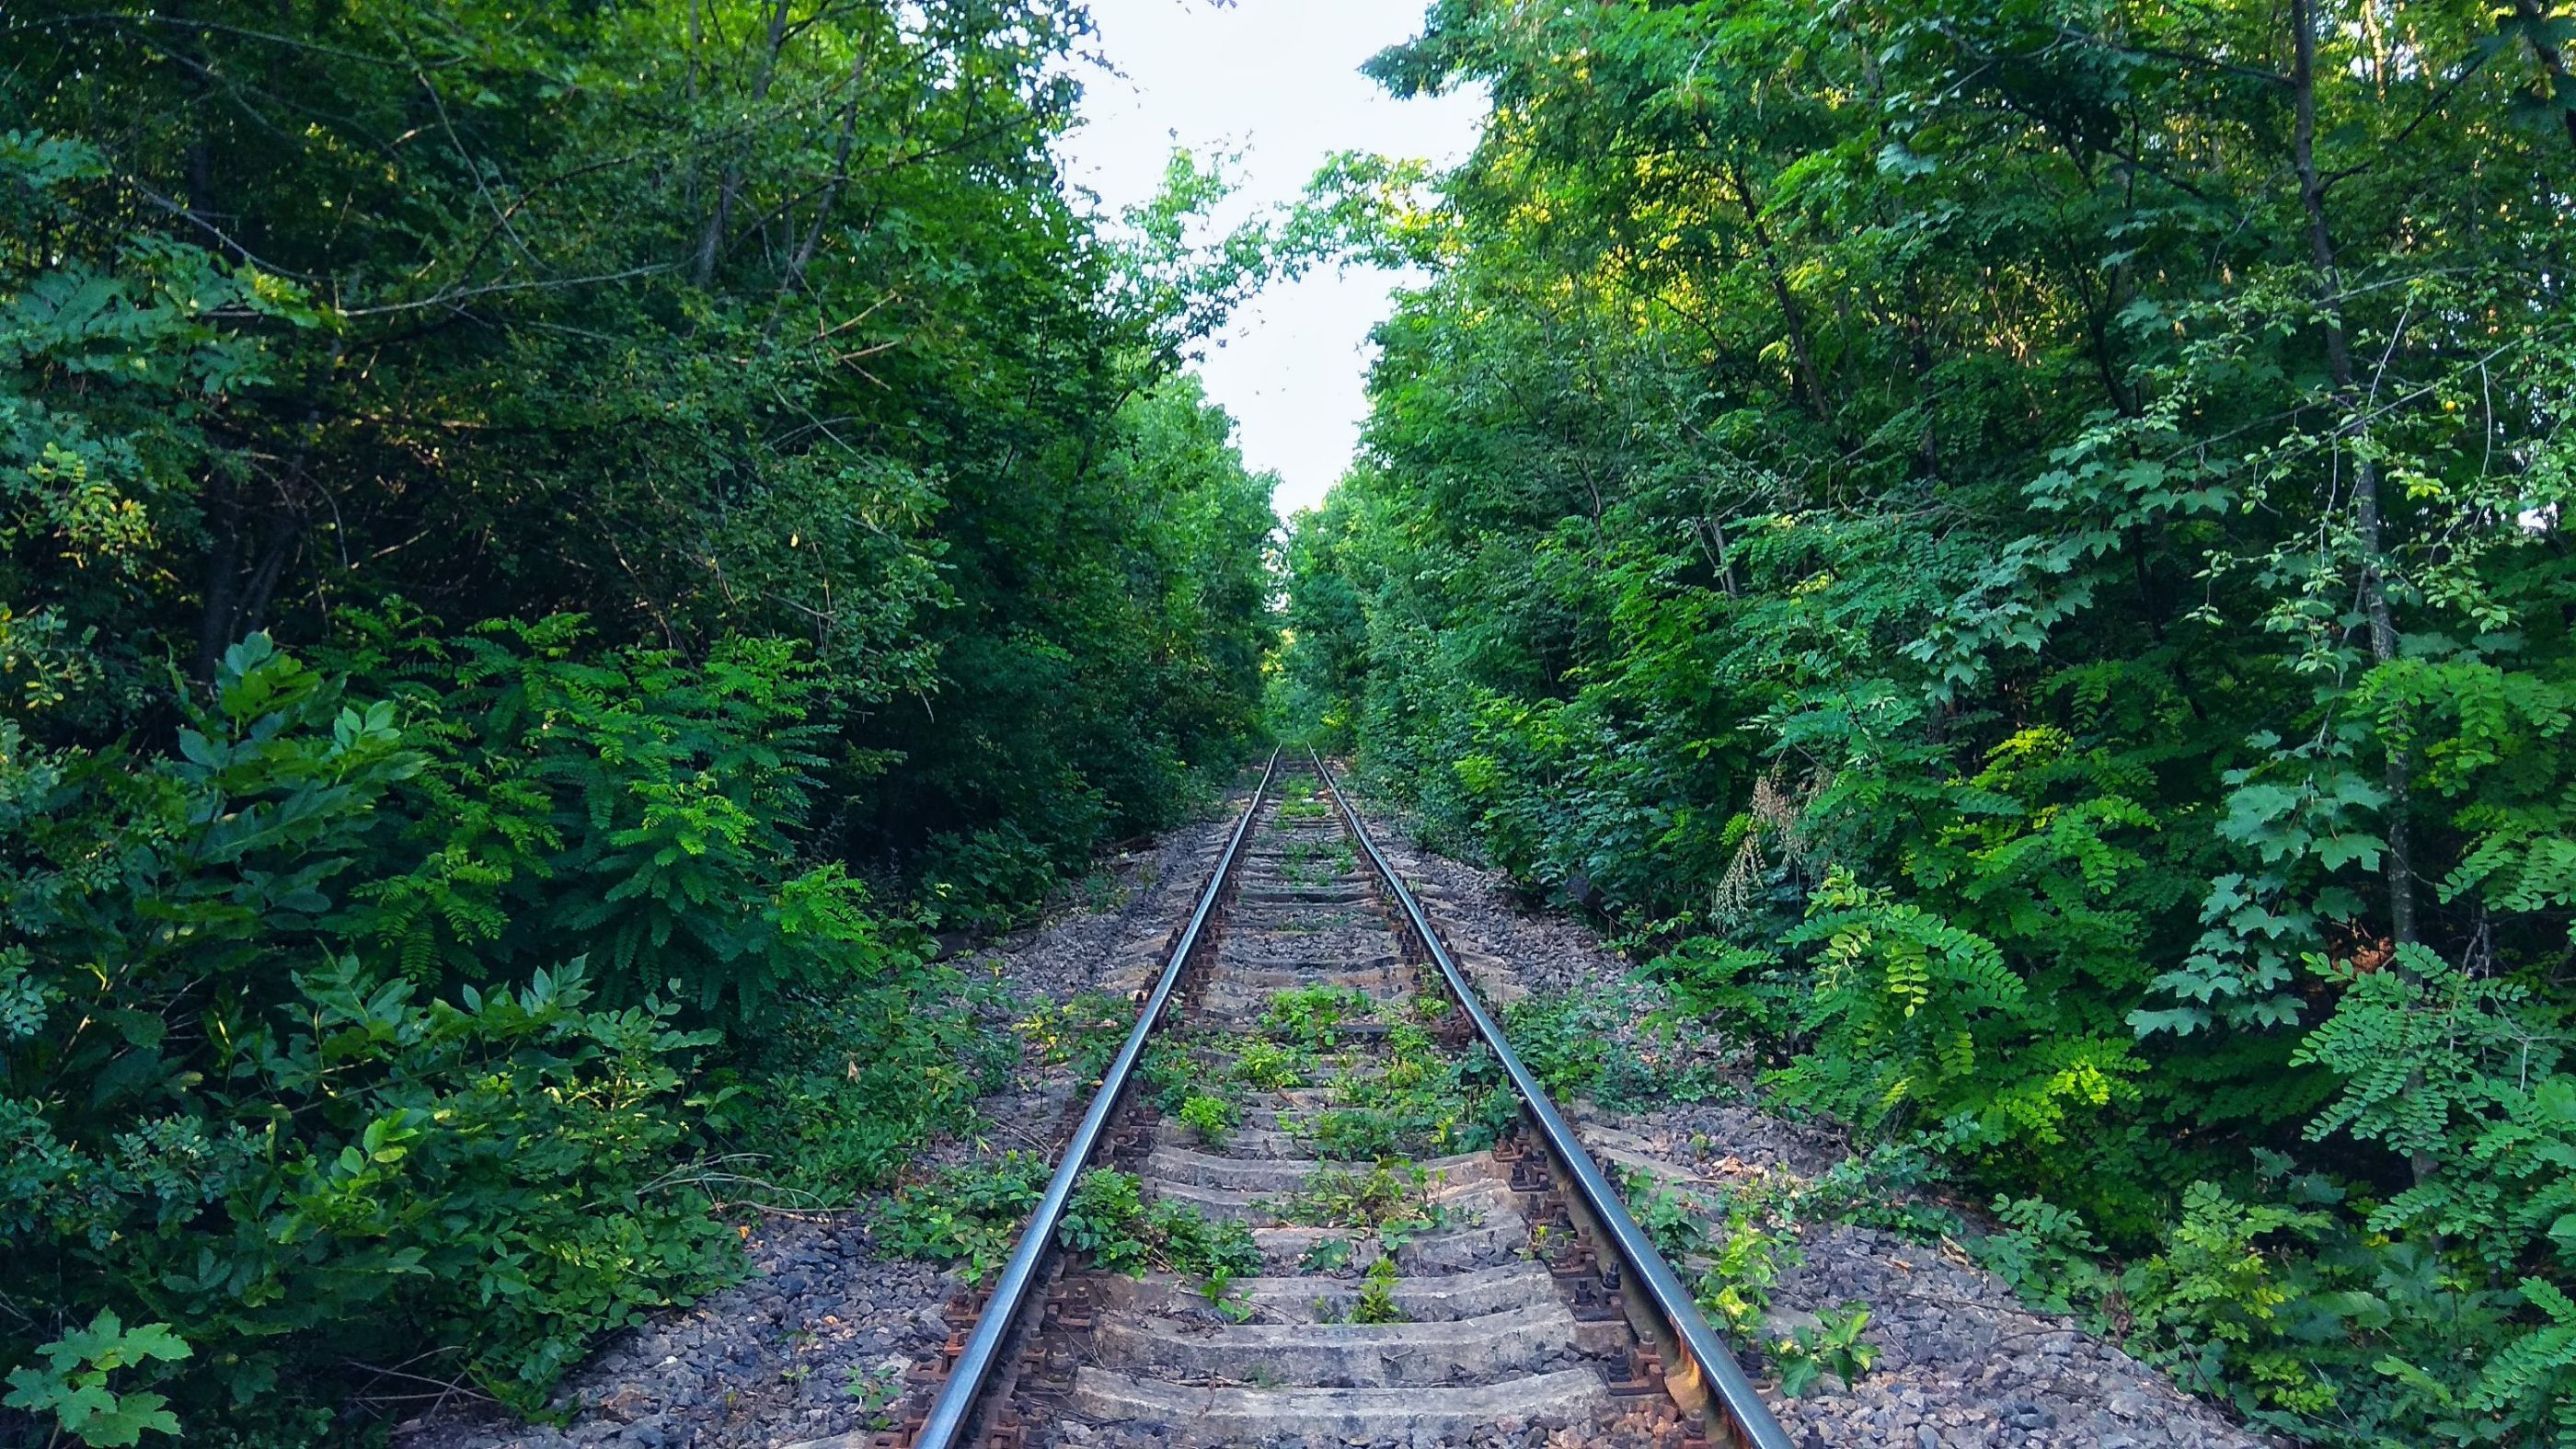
[[1270, 1066], [1084, 1032], [1293, 806], [1325, 1255], [1395, 1232], [1377, 1295], [1671, 1219], [1226, 1296], [72, 1384], [1387, 1193], [1313, 862], [970, 1214], [1882, 1190], [1313, 1016], [1578, 1047], [1351, 1134], [878, 1390], [1103, 891], [2046, 1253], [1432, 1119], [1103, 1218], [1412, 1057], [1737, 1287], [1172, 1069], [1833, 1346], [1210, 1117], [1109, 1218]]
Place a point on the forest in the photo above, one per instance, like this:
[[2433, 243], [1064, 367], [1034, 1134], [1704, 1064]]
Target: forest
[[2017, 553], [545, 553], [557, 560]]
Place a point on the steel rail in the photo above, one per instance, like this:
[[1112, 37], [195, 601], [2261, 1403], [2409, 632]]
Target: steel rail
[[950, 1412], [1735, 1393]]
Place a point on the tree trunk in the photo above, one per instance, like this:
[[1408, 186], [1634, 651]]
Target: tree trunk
[[1792, 315], [805, 249], [2367, 520], [711, 236], [2398, 865]]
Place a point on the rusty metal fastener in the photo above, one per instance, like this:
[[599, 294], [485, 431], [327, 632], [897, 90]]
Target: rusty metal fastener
[[1594, 1302], [1645, 1375], [1071, 1308]]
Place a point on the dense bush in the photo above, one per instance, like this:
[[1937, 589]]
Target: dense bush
[[2021, 552], [243, 1099], [369, 1024]]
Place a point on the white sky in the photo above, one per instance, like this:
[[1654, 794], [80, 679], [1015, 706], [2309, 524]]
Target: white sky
[[1279, 82]]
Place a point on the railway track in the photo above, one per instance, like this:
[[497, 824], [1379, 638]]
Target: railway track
[[1412, 1247]]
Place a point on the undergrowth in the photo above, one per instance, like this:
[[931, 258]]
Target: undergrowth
[[1110, 1218]]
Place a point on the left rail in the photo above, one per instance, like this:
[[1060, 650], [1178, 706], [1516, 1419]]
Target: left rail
[[953, 1410]]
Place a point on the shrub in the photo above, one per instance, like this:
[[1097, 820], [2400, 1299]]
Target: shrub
[[374, 1033], [971, 1213]]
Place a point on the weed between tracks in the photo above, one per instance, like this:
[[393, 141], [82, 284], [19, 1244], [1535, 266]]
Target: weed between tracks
[[1374, 1304], [972, 1215], [1271, 1067], [1110, 1218], [1210, 1118], [1391, 1202], [1317, 862], [1314, 1017], [1417, 1100], [1298, 801]]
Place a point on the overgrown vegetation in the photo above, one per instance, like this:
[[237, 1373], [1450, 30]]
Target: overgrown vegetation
[[1393, 1202], [969, 1214], [1376, 1301], [2020, 551], [1411, 1098], [973, 1214], [543, 552], [1110, 1218], [1313, 1018]]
